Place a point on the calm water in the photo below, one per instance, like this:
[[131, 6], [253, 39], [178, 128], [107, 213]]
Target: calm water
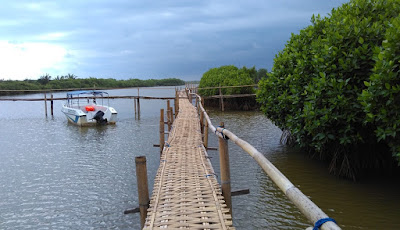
[[57, 176]]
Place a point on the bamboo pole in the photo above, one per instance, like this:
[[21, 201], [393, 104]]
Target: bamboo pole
[[134, 104], [168, 116], [138, 107], [51, 106], [138, 102], [225, 171], [162, 131], [221, 100], [45, 104], [201, 121], [143, 188], [176, 104], [206, 135], [310, 210], [171, 110]]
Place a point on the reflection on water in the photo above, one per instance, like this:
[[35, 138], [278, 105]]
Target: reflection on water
[[58, 176]]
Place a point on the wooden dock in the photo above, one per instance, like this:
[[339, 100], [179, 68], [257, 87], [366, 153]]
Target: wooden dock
[[186, 194]]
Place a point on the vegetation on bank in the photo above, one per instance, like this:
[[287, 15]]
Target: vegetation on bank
[[71, 81], [230, 76], [335, 87]]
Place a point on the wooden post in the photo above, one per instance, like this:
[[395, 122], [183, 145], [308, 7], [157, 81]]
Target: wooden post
[[161, 131], [134, 104], [51, 105], [201, 122], [197, 102], [143, 188], [168, 116], [176, 104], [45, 104], [221, 100], [138, 102], [138, 106], [225, 171], [171, 110], [206, 135]]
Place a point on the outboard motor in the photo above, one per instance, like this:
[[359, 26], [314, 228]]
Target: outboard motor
[[99, 118]]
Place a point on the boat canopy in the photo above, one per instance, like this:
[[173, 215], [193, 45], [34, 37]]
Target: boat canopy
[[92, 92]]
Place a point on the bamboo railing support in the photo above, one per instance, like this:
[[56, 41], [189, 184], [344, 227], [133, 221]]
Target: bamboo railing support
[[206, 135], [168, 116], [201, 122], [171, 111], [176, 104], [225, 170], [162, 137], [51, 105], [143, 188], [310, 210]]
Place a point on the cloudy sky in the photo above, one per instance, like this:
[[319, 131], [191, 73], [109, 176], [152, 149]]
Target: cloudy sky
[[146, 39]]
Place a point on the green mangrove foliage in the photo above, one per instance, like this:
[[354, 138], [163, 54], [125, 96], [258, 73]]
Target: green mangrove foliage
[[227, 76], [381, 99], [314, 88], [71, 81]]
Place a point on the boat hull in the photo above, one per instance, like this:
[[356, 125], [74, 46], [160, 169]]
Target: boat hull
[[78, 116]]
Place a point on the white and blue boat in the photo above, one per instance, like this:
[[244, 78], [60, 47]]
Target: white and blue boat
[[87, 108]]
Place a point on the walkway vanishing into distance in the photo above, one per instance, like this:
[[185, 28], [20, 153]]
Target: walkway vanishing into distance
[[186, 193]]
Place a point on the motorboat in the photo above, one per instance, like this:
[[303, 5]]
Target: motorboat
[[87, 108]]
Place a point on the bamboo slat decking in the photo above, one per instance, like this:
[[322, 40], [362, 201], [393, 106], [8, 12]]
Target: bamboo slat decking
[[186, 194]]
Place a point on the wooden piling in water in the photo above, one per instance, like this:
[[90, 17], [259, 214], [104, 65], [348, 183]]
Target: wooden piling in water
[[162, 131], [143, 188], [45, 104], [134, 104], [51, 105], [138, 106], [225, 170]]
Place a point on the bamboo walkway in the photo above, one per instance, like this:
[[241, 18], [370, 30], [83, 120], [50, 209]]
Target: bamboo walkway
[[186, 194]]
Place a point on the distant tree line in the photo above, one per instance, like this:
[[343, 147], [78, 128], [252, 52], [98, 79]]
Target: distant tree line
[[72, 81]]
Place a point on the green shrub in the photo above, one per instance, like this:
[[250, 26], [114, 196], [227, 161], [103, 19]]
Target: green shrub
[[316, 80], [381, 99], [226, 76]]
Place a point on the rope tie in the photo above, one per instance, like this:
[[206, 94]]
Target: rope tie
[[213, 174], [322, 221]]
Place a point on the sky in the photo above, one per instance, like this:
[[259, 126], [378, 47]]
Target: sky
[[125, 39]]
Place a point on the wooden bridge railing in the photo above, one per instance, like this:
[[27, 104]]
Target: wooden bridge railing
[[310, 210], [221, 96]]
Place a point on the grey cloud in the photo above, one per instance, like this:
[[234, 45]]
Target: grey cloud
[[124, 38]]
